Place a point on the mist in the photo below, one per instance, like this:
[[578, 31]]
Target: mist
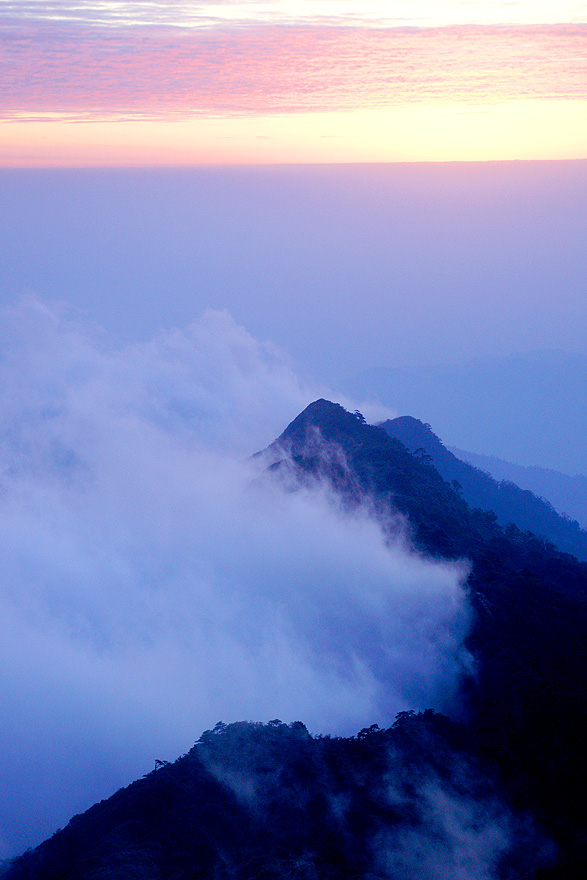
[[153, 585], [348, 267], [355, 270]]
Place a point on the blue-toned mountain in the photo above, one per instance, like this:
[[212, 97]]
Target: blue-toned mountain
[[566, 492], [509, 502], [476, 796]]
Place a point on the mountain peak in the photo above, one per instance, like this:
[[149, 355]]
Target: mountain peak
[[329, 418], [414, 434]]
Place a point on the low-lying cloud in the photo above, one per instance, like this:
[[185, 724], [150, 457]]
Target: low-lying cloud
[[152, 586]]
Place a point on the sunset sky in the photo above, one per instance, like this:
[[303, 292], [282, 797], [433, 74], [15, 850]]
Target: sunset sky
[[99, 82], [212, 213]]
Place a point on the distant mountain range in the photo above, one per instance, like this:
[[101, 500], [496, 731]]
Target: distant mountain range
[[496, 792], [489, 404], [567, 494], [509, 502]]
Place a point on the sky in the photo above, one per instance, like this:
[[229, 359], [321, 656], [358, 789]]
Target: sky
[[348, 269], [183, 83]]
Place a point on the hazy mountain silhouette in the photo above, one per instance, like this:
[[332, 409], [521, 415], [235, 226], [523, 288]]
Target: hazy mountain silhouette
[[488, 404], [429, 797], [270, 801], [527, 701], [567, 494], [509, 502]]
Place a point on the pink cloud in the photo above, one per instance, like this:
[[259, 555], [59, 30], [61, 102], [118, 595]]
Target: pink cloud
[[165, 72]]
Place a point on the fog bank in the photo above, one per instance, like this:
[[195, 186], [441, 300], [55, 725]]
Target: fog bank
[[152, 587]]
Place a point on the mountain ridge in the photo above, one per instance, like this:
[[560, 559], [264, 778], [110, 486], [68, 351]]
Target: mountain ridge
[[566, 492], [521, 734], [508, 501], [530, 605], [271, 801]]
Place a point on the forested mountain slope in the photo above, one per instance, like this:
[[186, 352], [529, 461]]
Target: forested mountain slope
[[271, 802], [475, 798], [510, 503], [527, 699], [567, 493]]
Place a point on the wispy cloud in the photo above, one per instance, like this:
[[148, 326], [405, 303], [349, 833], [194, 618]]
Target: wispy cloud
[[152, 585], [163, 72], [186, 13]]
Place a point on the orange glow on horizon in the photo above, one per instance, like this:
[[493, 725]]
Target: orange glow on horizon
[[419, 132], [77, 95]]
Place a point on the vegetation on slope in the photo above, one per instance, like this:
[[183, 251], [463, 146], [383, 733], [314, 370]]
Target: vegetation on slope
[[271, 802], [428, 795], [509, 502], [527, 701]]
